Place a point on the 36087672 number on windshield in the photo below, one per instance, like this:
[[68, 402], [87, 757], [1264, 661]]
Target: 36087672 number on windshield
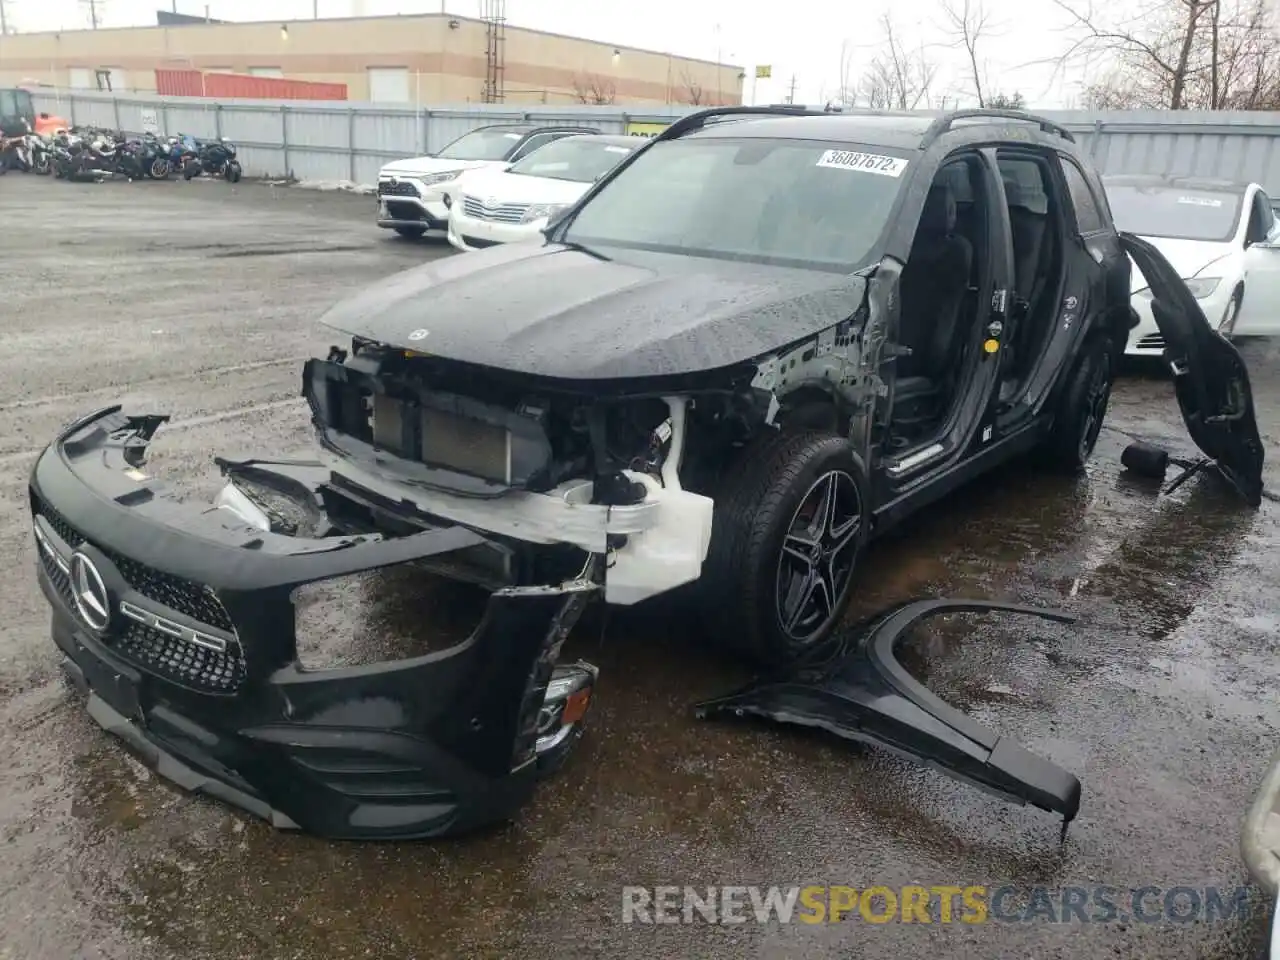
[[863, 162]]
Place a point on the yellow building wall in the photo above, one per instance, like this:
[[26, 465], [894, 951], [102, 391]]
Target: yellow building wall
[[446, 64]]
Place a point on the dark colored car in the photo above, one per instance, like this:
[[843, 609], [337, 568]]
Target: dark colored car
[[415, 194], [763, 339]]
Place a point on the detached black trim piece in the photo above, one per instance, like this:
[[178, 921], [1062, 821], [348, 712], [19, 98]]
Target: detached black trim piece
[[861, 692], [427, 746]]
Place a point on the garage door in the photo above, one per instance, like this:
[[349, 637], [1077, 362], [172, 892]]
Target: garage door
[[389, 84]]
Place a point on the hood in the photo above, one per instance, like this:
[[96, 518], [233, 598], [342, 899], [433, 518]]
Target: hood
[[556, 311], [1189, 257], [521, 188], [417, 166]]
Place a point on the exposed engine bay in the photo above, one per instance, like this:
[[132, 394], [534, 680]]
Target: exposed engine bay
[[414, 440]]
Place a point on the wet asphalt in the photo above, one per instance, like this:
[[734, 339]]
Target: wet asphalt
[[199, 300]]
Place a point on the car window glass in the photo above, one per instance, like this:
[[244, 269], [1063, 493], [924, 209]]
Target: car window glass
[[1265, 213], [8, 104], [534, 143], [1256, 229], [1088, 217], [1174, 212], [571, 158], [790, 202], [482, 144]]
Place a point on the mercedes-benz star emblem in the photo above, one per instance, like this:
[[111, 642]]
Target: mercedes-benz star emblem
[[418, 334], [89, 593], [490, 202]]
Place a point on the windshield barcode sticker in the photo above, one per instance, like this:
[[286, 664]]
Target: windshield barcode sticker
[[866, 162]]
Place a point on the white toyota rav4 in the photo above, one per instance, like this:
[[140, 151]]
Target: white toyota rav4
[[415, 195]]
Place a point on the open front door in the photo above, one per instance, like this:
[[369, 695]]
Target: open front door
[[1210, 378]]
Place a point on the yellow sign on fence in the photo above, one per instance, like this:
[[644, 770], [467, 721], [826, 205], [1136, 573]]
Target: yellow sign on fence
[[645, 128]]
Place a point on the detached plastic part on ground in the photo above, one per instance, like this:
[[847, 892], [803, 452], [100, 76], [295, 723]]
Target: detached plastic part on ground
[[1151, 462], [857, 689]]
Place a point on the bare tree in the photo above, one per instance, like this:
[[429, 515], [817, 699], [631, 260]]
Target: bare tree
[[691, 91], [593, 88], [1179, 54], [1006, 101], [847, 93], [968, 23], [898, 78]]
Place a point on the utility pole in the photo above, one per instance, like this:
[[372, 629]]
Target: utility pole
[[93, 6], [791, 91], [4, 24]]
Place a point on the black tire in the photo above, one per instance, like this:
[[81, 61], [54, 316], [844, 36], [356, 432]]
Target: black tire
[[233, 172], [190, 170], [159, 169], [1082, 408], [750, 571], [411, 232]]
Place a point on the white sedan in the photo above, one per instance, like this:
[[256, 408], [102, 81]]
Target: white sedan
[[1222, 237], [502, 206]]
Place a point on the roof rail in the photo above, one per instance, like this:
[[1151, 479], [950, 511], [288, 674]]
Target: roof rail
[[696, 121], [944, 122]]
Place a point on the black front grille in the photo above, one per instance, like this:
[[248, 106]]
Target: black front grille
[[399, 210], [176, 593], [60, 579], [185, 596], [400, 189], [180, 661], [174, 658], [1152, 341]]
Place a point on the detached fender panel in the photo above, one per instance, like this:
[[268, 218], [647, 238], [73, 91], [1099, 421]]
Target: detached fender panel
[[861, 692]]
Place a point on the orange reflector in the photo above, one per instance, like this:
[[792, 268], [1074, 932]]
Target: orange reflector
[[991, 346], [575, 706]]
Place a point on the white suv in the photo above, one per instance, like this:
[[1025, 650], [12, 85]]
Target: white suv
[[415, 195]]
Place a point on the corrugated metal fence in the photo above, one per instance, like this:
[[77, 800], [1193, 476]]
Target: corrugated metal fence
[[314, 140]]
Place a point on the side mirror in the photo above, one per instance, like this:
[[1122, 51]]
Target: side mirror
[[44, 116]]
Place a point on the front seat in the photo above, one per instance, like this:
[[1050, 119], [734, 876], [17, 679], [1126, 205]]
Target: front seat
[[934, 287]]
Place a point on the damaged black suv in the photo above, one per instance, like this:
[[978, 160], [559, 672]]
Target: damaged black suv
[[764, 338]]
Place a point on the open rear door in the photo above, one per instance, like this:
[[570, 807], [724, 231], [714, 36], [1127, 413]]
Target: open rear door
[[1210, 378]]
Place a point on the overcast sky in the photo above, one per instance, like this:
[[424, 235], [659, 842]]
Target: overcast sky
[[800, 37]]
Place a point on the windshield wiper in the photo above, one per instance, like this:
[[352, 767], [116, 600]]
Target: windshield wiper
[[582, 248]]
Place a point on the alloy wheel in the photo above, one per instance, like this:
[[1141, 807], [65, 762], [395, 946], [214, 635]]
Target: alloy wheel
[[819, 550]]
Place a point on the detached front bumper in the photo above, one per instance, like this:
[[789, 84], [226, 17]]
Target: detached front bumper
[[178, 623]]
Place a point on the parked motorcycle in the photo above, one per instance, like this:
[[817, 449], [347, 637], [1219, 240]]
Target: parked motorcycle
[[158, 150], [41, 155], [15, 154], [216, 158], [183, 149]]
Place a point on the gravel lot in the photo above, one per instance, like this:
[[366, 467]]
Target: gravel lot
[[199, 300]]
